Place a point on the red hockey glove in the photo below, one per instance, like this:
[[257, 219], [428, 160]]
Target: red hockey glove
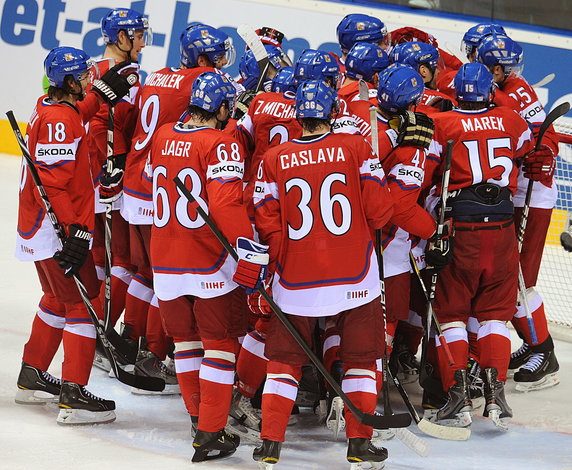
[[252, 264], [257, 304], [111, 182], [439, 252], [539, 165]]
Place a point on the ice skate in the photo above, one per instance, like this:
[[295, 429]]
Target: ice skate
[[335, 421], [361, 451], [100, 359], [404, 363], [267, 454], [149, 365], [244, 419], [457, 411], [496, 407], [308, 394], [539, 372], [36, 387], [518, 358], [214, 445], [475, 384], [431, 403], [79, 406]]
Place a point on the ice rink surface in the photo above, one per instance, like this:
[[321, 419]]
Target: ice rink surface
[[153, 432]]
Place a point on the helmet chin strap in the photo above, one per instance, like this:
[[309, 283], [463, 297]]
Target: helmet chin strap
[[128, 51]]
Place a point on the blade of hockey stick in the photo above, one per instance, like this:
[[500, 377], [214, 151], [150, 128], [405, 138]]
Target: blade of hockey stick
[[376, 421], [147, 383], [253, 41], [545, 81], [557, 112]]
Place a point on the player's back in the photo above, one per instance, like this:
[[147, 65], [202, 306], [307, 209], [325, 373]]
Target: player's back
[[486, 143], [326, 241], [163, 99]]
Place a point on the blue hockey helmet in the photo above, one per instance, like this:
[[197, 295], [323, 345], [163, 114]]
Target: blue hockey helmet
[[315, 99], [357, 27], [497, 49], [317, 65], [475, 35], [125, 19], [473, 82], [248, 66], [200, 39], [210, 90], [283, 81], [399, 87], [364, 60], [63, 61], [415, 54]]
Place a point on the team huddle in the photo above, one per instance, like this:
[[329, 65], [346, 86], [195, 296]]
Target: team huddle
[[351, 207]]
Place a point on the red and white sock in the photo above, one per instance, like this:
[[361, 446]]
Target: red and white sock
[[137, 301], [79, 344], [520, 321], [188, 358], [359, 384], [251, 365], [494, 346], [456, 336]]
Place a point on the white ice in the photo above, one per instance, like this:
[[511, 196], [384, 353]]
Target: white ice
[[153, 432]]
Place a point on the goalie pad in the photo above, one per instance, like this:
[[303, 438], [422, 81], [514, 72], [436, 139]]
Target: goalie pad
[[413, 128]]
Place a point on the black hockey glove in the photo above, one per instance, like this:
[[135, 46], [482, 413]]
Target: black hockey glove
[[75, 250], [111, 182], [242, 102], [116, 82], [439, 252], [413, 129]]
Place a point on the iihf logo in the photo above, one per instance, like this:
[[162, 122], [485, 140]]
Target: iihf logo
[[356, 294], [212, 285]]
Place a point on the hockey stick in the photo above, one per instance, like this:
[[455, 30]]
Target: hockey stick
[[255, 44], [545, 81], [378, 422], [147, 383], [107, 238], [557, 112]]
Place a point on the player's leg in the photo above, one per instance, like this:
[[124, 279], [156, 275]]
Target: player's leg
[[536, 363], [35, 384], [220, 321], [361, 345]]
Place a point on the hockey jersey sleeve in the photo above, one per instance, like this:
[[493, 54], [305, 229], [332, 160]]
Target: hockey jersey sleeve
[[406, 173], [55, 151], [267, 212], [225, 171], [377, 200]]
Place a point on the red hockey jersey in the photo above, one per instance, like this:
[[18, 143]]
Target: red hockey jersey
[[57, 144], [187, 259], [316, 202], [163, 99]]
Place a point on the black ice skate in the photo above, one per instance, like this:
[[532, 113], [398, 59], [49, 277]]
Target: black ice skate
[[457, 411], [149, 365], [475, 383], [214, 445], [496, 406], [539, 372], [267, 454], [404, 363], [361, 450], [79, 406], [36, 387], [431, 403], [519, 358], [244, 419]]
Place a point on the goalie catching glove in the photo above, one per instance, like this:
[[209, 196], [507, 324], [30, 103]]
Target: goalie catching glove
[[439, 251], [111, 182], [74, 251], [413, 128], [116, 82], [539, 165], [252, 264]]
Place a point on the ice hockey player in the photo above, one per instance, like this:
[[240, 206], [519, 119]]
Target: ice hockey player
[[193, 279], [357, 27], [250, 71], [479, 278], [536, 362], [163, 99], [295, 213], [57, 142], [424, 58], [125, 33], [364, 61]]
